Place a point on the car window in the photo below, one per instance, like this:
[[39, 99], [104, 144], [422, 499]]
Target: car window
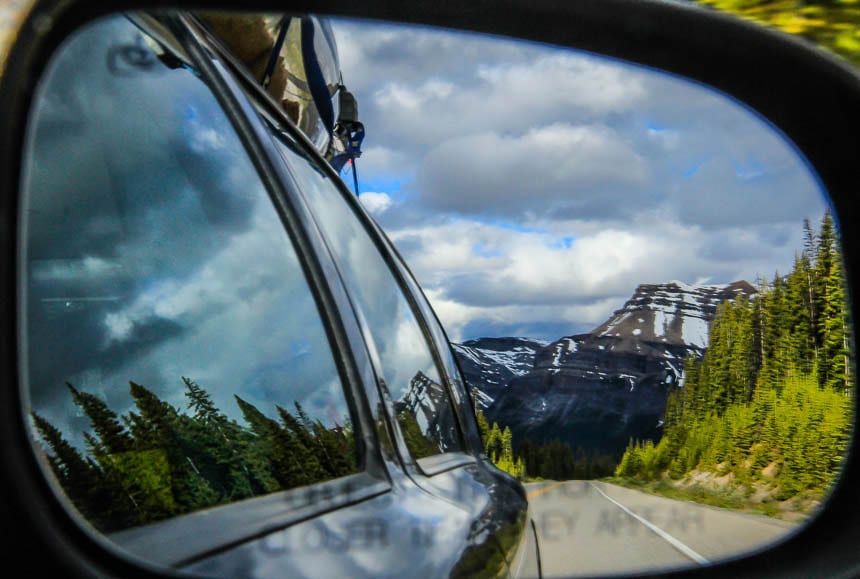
[[408, 369], [174, 358]]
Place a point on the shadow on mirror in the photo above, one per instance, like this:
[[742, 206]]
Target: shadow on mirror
[[641, 279]]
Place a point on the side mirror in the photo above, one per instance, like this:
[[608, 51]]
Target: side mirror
[[808, 97]]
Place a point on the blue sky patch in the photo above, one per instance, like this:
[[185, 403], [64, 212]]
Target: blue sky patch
[[565, 242], [483, 250]]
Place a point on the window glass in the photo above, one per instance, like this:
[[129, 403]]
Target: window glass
[[408, 369], [175, 359]]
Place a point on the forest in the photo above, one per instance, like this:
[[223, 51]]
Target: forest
[[767, 409], [530, 459], [159, 461]]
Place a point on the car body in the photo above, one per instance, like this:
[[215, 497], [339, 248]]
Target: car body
[[396, 513]]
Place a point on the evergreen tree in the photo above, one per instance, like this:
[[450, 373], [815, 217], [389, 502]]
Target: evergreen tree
[[419, 445], [162, 422], [220, 449], [833, 366], [483, 427], [277, 446], [112, 436], [302, 448], [80, 479], [772, 393]]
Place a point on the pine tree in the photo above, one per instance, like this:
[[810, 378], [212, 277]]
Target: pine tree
[[277, 446], [79, 479], [162, 422], [220, 448], [825, 254], [420, 446], [494, 442], [112, 436], [799, 309], [298, 445], [483, 427], [833, 367], [771, 389]]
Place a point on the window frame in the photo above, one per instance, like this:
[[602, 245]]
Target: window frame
[[431, 465], [229, 85], [348, 346], [264, 104]]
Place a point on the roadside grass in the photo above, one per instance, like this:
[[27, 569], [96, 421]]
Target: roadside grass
[[730, 497]]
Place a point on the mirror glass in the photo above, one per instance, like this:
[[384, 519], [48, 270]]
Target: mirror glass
[[175, 359], [641, 278]]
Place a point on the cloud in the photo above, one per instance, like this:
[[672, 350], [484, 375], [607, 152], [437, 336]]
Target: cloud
[[383, 163], [547, 169], [537, 185], [376, 203], [155, 250], [555, 83], [486, 277], [411, 100]]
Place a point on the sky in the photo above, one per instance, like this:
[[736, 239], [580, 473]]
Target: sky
[[532, 188], [160, 256]]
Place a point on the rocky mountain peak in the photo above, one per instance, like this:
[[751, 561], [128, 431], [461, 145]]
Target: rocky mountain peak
[[491, 363], [603, 387], [673, 313]]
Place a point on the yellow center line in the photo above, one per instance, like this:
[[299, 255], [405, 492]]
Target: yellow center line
[[544, 490]]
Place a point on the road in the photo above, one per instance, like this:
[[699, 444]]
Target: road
[[593, 528]]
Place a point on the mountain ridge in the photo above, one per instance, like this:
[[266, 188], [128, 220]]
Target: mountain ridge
[[601, 388]]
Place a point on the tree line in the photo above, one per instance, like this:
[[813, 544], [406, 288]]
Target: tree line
[[157, 461], [770, 399], [553, 460]]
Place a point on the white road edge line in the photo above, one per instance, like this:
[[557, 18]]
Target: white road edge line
[[663, 534]]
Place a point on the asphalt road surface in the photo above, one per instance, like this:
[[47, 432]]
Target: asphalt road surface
[[594, 528]]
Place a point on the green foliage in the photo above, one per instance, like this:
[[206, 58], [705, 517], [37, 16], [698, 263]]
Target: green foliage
[[419, 445], [832, 24], [770, 400], [157, 462], [498, 444], [550, 460]]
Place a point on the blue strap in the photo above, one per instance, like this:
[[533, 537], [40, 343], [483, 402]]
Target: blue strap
[[313, 72], [276, 51]]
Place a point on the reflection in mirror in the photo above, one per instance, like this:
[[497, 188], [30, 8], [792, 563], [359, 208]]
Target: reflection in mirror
[[409, 373], [175, 358], [643, 280], [641, 276]]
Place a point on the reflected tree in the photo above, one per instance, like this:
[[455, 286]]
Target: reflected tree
[[157, 462]]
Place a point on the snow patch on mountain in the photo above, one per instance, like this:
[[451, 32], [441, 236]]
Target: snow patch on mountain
[[673, 313], [489, 364]]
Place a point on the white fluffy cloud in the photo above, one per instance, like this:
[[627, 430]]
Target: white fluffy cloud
[[376, 203], [546, 168], [537, 187]]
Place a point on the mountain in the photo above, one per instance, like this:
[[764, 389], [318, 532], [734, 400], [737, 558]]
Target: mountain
[[491, 363], [598, 390]]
